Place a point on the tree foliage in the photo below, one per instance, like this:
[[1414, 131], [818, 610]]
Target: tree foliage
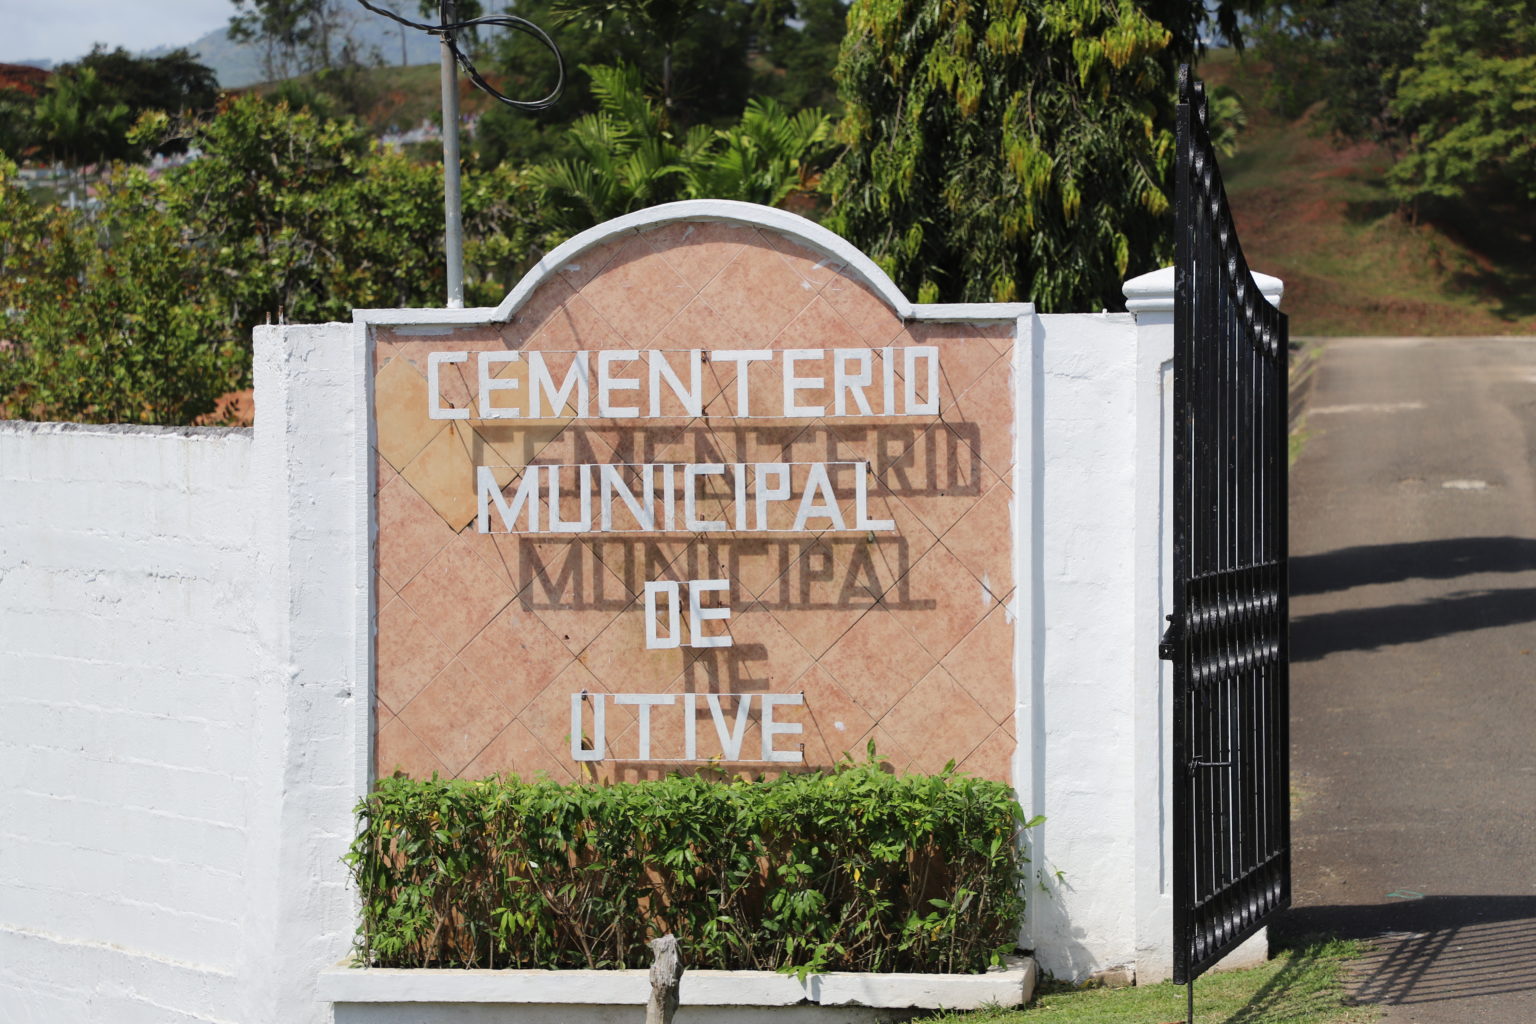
[[78, 120], [798, 55], [88, 106], [1008, 152], [703, 59], [1470, 96], [102, 320], [1346, 55], [628, 156], [174, 82], [142, 312]]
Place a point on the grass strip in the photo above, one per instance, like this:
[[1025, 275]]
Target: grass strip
[[1302, 985]]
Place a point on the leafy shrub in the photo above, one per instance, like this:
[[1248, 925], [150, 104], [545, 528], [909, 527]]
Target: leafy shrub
[[851, 869]]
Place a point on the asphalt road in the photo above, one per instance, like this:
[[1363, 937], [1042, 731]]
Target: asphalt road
[[1413, 703]]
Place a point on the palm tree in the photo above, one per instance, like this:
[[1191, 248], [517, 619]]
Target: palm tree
[[629, 157], [79, 120]]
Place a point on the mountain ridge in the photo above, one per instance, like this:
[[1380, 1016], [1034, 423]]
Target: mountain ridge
[[238, 64]]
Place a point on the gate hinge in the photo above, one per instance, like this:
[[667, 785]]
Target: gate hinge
[[1173, 639]]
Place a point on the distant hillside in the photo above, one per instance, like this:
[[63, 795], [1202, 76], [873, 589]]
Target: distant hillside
[[1318, 215], [239, 64], [25, 78]]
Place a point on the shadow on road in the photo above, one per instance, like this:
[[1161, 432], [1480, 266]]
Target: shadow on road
[[1393, 563], [1430, 949], [1363, 629]]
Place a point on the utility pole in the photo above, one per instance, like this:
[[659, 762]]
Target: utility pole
[[453, 236], [452, 56]]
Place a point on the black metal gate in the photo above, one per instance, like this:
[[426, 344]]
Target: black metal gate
[[1227, 637]]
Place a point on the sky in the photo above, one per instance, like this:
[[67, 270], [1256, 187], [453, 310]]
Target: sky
[[61, 30]]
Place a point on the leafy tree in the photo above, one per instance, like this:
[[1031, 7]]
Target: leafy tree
[[692, 53], [628, 156], [1008, 152], [1227, 119], [105, 333], [769, 155], [303, 217], [143, 313], [16, 124], [79, 120], [1470, 97], [709, 37], [88, 106], [175, 82], [1347, 54], [797, 54]]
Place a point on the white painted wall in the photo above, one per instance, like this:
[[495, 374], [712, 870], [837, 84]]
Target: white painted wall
[[127, 625], [178, 668]]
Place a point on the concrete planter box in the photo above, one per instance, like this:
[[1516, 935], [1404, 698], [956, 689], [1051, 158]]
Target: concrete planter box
[[396, 996]]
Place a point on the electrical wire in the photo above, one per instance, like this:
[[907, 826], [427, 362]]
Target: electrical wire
[[446, 29]]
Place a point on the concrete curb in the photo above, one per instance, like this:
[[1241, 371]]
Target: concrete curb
[[1010, 985]]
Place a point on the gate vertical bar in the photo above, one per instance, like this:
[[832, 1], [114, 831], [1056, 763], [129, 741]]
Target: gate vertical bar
[[1176, 642]]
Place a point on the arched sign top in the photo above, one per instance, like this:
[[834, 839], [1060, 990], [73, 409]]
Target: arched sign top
[[849, 260]]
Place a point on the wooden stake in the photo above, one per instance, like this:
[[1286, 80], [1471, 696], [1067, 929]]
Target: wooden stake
[[666, 975]]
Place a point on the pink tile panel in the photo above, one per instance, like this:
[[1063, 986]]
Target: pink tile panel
[[899, 638]]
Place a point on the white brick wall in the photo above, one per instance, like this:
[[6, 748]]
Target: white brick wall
[[128, 636], [180, 740]]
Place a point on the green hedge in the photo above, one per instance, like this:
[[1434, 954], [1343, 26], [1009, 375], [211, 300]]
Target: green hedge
[[852, 869]]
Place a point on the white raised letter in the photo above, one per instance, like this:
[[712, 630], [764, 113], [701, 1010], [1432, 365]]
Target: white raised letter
[[845, 383], [435, 408], [861, 520], [690, 727], [730, 739], [765, 494], [527, 494], [541, 385], [793, 384], [743, 358], [654, 641], [644, 701], [692, 395], [611, 480], [599, 732], [489, 384], [584, 523], [818, 483], [739, 496], [930, 405], [668, 498], [888, 379], [607, 384], [769, 728], [691, 473], [698, 614]]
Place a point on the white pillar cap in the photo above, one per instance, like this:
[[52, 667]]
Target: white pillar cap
[[1153, 292]]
